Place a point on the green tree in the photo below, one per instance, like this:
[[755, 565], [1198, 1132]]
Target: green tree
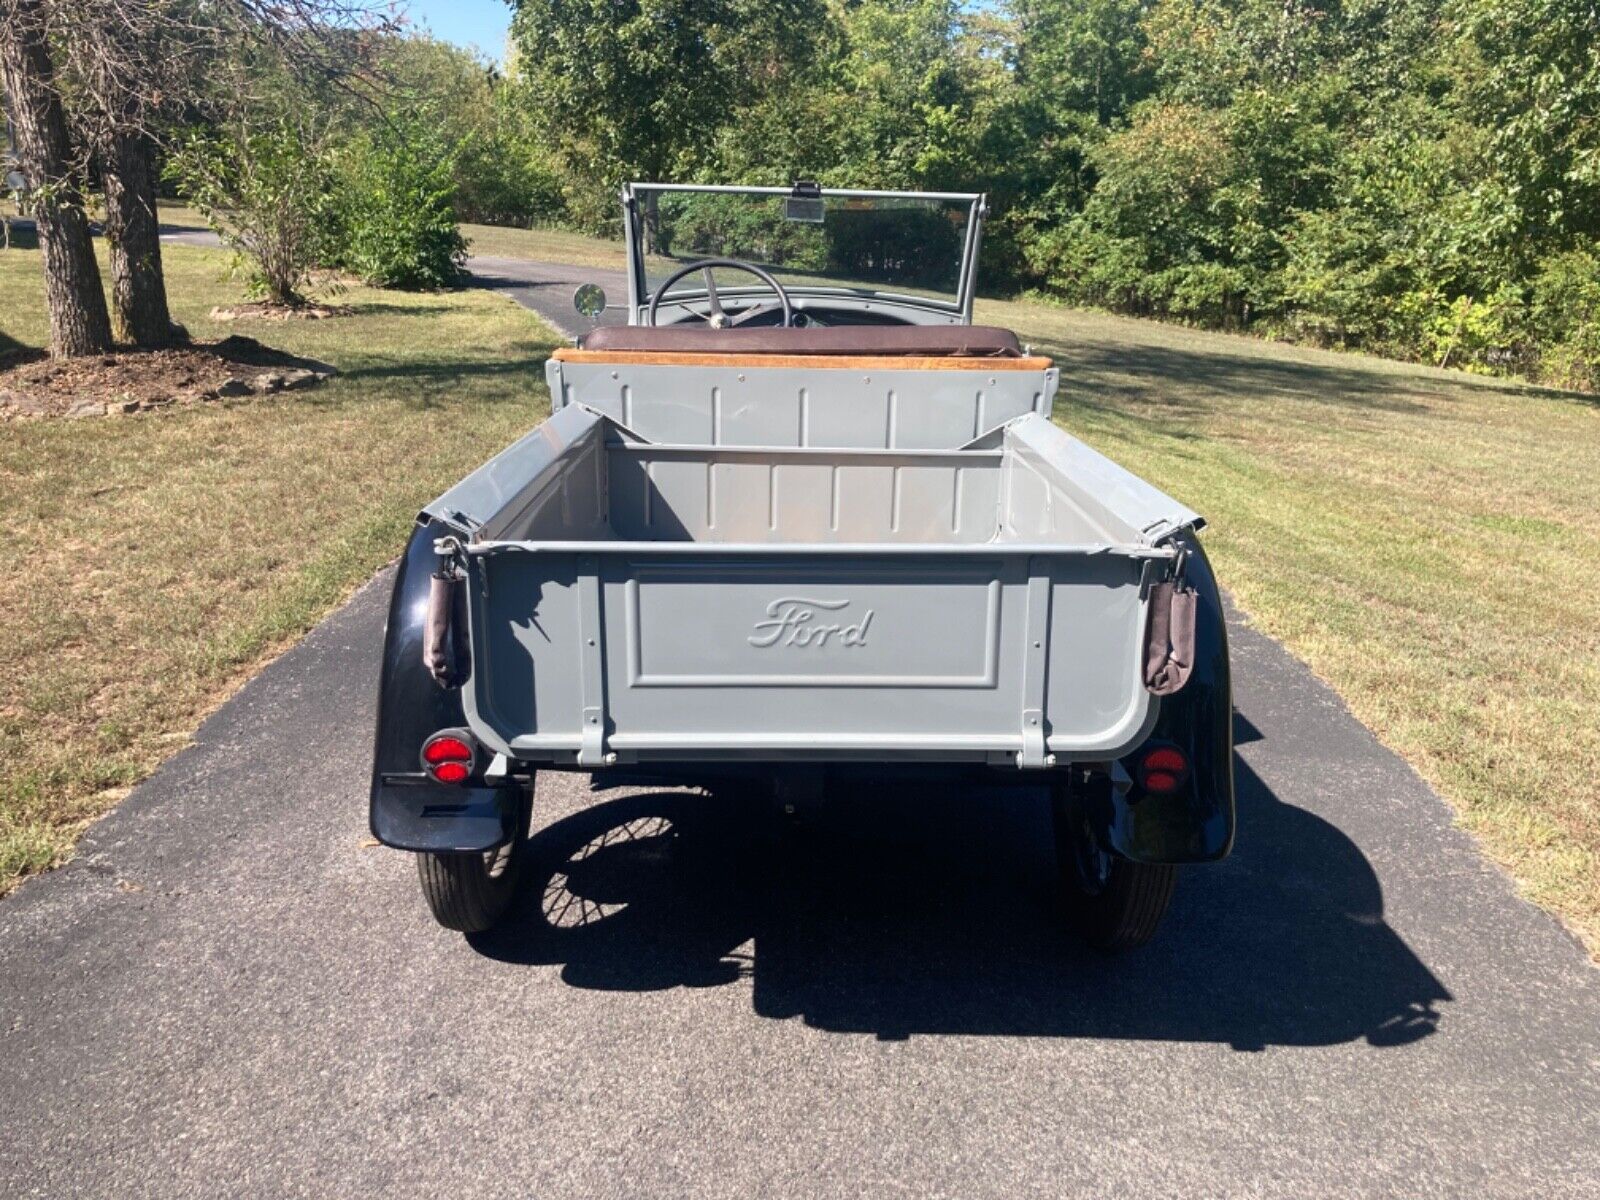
[[1529, 74], [1083, 58], [504, 173], [641, 88]]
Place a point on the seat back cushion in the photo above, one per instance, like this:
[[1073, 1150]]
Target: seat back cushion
[[960, 341]]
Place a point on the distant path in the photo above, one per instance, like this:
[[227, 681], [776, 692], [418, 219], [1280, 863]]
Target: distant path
[[545, 288]]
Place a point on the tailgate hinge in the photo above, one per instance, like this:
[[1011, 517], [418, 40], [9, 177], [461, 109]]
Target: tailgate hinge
[[592, 749], [1034, 754]]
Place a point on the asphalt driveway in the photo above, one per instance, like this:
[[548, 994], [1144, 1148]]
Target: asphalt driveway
[[231, 992], [547, 289]]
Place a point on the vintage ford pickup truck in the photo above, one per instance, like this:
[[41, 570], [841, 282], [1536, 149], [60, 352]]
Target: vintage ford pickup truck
[[800, 518]]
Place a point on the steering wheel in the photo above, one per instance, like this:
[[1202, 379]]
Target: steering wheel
[[718, 318]]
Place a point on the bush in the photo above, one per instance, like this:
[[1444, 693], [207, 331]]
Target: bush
[[1172, 228], [396, 215], [1090, 266], [1341, 279], [1565, 319], [265, 187], [1475, 333], [503, 173]]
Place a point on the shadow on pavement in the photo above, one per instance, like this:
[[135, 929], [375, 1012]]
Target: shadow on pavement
[[493, 280], [901, 913], [166, 228]]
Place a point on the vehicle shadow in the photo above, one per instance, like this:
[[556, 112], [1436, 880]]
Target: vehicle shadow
[[898, 914]]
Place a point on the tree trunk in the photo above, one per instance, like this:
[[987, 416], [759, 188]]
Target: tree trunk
[[79, 322], [138, 290]]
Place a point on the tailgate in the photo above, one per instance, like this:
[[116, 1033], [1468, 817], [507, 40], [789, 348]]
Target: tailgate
[[975, 653]]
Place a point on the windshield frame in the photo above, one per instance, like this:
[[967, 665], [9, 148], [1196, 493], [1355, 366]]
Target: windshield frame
[[960, 307]]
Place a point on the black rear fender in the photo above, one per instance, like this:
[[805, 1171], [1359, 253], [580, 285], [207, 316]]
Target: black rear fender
[[408, 809]]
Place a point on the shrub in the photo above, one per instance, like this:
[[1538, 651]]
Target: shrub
[[1173, 226], [1565, 318], [504, 175], [396, 207], [264, 186], [1091, 266], [1475, 333]]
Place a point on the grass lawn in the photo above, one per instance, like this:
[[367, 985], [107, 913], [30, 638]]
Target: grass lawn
[[160, 559], [1421, 538], [548, 245]]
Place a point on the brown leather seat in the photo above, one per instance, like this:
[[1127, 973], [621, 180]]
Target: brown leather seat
[[961, 341]]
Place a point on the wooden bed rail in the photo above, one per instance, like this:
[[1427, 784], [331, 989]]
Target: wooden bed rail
[[843, 362]]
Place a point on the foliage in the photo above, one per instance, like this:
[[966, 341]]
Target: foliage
[[1564, 318], [264, 183], [640, 88], [1415, 177], [393, 206], [504, 174]]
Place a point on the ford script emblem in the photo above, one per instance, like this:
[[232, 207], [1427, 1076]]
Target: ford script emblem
[[798, 621]]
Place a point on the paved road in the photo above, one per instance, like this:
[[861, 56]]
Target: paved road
[[230, 993], [547, 289]]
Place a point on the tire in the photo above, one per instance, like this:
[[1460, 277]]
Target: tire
[[1112, 903], [470, 893]]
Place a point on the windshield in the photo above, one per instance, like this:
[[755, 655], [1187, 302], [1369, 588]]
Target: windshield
[[908, 245]]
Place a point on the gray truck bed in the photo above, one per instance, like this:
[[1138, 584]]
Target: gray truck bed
[[631, 601]]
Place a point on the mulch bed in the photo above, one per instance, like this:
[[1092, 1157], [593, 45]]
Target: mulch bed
[[135, 381]]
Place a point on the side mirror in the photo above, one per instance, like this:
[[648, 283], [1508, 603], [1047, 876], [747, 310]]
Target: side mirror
[[589, 300]]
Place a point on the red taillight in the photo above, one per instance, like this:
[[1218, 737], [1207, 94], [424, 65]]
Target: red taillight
[[1163, 769], [445, 748], [448, 757]]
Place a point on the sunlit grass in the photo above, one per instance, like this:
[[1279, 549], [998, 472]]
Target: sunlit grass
[[159, 559], [548, 245], [1421, 538]]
